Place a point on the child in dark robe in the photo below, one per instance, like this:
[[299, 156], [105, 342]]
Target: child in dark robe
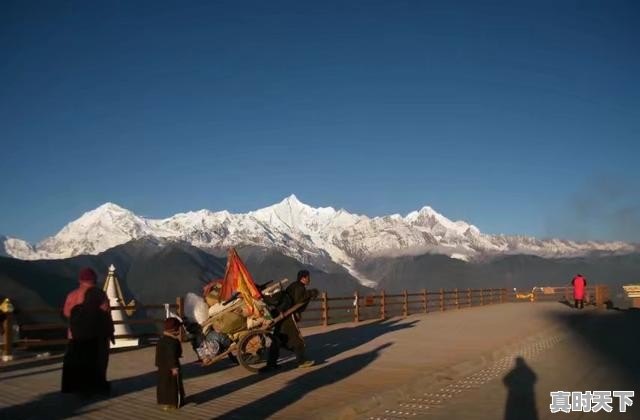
[[170, 391]]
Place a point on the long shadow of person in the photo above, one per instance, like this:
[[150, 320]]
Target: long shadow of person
[[521, 398], [300, 386]]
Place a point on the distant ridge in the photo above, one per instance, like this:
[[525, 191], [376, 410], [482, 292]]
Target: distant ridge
[[317, 236]]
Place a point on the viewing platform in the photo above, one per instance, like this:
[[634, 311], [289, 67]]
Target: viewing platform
[[440, 365]]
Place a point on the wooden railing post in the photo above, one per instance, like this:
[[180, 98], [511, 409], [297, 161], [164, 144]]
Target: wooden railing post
[[599, 297], [457, 299], [8, 337], [425, 300], [179, 312], [405, 304], [356, 309], [490, 296], [325, 309], [441, 300], [383, 308], [481, 297], [502, 295], [469, 297]]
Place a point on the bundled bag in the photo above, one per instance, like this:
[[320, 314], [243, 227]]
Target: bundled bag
[[195, 308], [229, 323]]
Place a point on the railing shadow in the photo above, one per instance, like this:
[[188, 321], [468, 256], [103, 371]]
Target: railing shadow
[[31, 363], [302, 385], [60, 406], [321, 346], [328, 344]]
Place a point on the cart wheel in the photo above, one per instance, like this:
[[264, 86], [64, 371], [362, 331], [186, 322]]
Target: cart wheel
[[253, 350]]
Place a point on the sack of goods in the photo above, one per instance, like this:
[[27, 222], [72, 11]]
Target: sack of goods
[[229, 323]]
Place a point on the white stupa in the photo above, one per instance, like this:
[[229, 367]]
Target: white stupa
[[114, 293]]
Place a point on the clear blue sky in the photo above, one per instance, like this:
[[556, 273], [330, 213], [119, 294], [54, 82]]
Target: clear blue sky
[[519, 117]]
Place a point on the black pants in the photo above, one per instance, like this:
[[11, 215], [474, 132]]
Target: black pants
[[287, 335], [579, 303]]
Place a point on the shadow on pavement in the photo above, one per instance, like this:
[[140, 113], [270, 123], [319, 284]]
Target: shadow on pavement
[[521, 396], [321, 346], [55, 405], [614, 336], [303, 385]]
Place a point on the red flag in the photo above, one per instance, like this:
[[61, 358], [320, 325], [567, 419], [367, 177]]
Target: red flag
[[238, 279]]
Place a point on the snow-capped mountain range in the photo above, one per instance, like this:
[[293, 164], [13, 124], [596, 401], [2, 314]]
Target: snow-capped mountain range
[[311, 235]]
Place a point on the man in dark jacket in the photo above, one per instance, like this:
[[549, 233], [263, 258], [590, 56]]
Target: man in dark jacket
[[300, 294], [286, 332]]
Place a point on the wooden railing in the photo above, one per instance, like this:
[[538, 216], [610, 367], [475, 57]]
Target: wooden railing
[[355, 308], [596, 295], [55, 332], [324, 310]]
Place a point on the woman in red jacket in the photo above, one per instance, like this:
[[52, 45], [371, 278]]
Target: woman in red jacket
[[579, 283]]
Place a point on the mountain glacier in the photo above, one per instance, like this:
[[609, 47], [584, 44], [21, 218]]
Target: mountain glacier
[[318, 236]]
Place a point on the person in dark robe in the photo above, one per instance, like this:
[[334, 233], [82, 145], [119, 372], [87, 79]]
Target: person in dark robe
[[286, 333], [170, 390], [86, 360]]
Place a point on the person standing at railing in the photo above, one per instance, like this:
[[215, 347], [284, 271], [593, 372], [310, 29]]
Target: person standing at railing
[[86, 359], [579, 284]]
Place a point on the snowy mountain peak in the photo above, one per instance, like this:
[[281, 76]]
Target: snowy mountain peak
[[108, 214], [109, 207], [428, 217], [290, 203], [292, 199], [425, 211], [15, 247], [293, 215]]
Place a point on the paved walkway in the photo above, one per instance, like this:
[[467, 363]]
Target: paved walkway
[[366, 370], [594, 351]]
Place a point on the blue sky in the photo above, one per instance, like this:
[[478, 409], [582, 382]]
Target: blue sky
[[519, 117]]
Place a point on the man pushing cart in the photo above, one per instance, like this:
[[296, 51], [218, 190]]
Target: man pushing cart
[[245, 322]]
